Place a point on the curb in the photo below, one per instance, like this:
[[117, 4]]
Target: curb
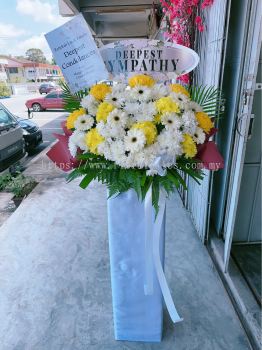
[[40, 155]]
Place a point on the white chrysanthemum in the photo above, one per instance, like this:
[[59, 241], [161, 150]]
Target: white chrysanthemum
[[171, 120], [120, 156], [117, 118], [118, 88], [189, 122], [169, 142], [199, 136], [77, 140], [132, 108], [90, 103], [84, 122], [145, 157], [159, 90], [110, 132], [193, 107], [104, 148], [135, 140], [103, 129], [140, 93], [146, 111]]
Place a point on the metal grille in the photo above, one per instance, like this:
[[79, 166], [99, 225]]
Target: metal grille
[[209, 46]]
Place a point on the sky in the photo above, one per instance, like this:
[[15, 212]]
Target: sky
[[23, 24]]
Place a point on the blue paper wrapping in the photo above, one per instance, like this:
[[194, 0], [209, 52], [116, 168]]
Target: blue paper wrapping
[[137, 317]]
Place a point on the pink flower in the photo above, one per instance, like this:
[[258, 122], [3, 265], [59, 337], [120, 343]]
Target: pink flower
[[184, 78], [201, 27], [206, 3], [189, 11], [198, 20]]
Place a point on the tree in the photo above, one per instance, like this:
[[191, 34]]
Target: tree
[[35, 55]]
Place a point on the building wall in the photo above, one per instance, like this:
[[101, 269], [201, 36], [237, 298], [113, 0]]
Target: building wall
[[16, 74]]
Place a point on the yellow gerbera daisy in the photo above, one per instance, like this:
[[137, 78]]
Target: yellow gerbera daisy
[[189, 146], [204, 121], [73, 117], [166, 104], [141, 79], [93, 139], [179, 89], [149, 130], [99, 91], [103, 110]]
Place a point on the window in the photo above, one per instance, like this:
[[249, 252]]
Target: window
[[5, 118], [61, 95], [13, 70], [51, 95]]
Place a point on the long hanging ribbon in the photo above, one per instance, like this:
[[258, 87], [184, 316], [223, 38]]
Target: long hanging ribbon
[[153, 259]]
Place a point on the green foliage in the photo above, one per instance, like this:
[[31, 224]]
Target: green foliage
[[20, 185], [4, 89], [118, 180], [71, 101], [35, 55], [209, 98], [4, 180]]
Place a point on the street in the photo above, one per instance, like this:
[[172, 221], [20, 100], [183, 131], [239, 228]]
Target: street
[[48, 121]]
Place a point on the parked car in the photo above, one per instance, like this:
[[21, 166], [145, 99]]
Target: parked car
[[53, 100], [45, 88], [12, 144], [31, 132]]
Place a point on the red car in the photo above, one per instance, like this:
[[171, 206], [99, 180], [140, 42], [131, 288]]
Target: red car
[[53, 100]]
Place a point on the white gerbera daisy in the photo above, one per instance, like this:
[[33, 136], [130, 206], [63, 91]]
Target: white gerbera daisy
[[84, 122], [179, 98], [199, 136], [171, 120], [193, 107], [117, 118], [140, 93], [189, 122], [135, 140], [116, 99], [90, 103], [77, 140]]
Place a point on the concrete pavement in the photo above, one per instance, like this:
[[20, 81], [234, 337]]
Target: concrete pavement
[[55, 284]]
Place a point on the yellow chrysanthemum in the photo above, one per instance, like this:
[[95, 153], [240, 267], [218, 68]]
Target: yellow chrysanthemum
[[204, 121], [93, 139], [149, 130], [103, 110], [189, 146], [179, 89], [73, 117], [99, 91], [166, 104], [141, 79], [157, 119]]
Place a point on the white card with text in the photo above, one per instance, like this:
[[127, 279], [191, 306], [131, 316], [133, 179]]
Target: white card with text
[[76, 53]]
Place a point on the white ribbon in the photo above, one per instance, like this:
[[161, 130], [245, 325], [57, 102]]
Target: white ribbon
[[152, 250]]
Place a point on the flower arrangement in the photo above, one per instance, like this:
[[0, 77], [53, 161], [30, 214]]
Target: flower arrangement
[[182, 19], [139, 134]]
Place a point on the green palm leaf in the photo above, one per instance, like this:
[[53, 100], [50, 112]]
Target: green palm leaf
[[209, 98], [72, 101]]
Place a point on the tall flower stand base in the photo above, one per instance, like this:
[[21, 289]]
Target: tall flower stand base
[[138, 311]]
